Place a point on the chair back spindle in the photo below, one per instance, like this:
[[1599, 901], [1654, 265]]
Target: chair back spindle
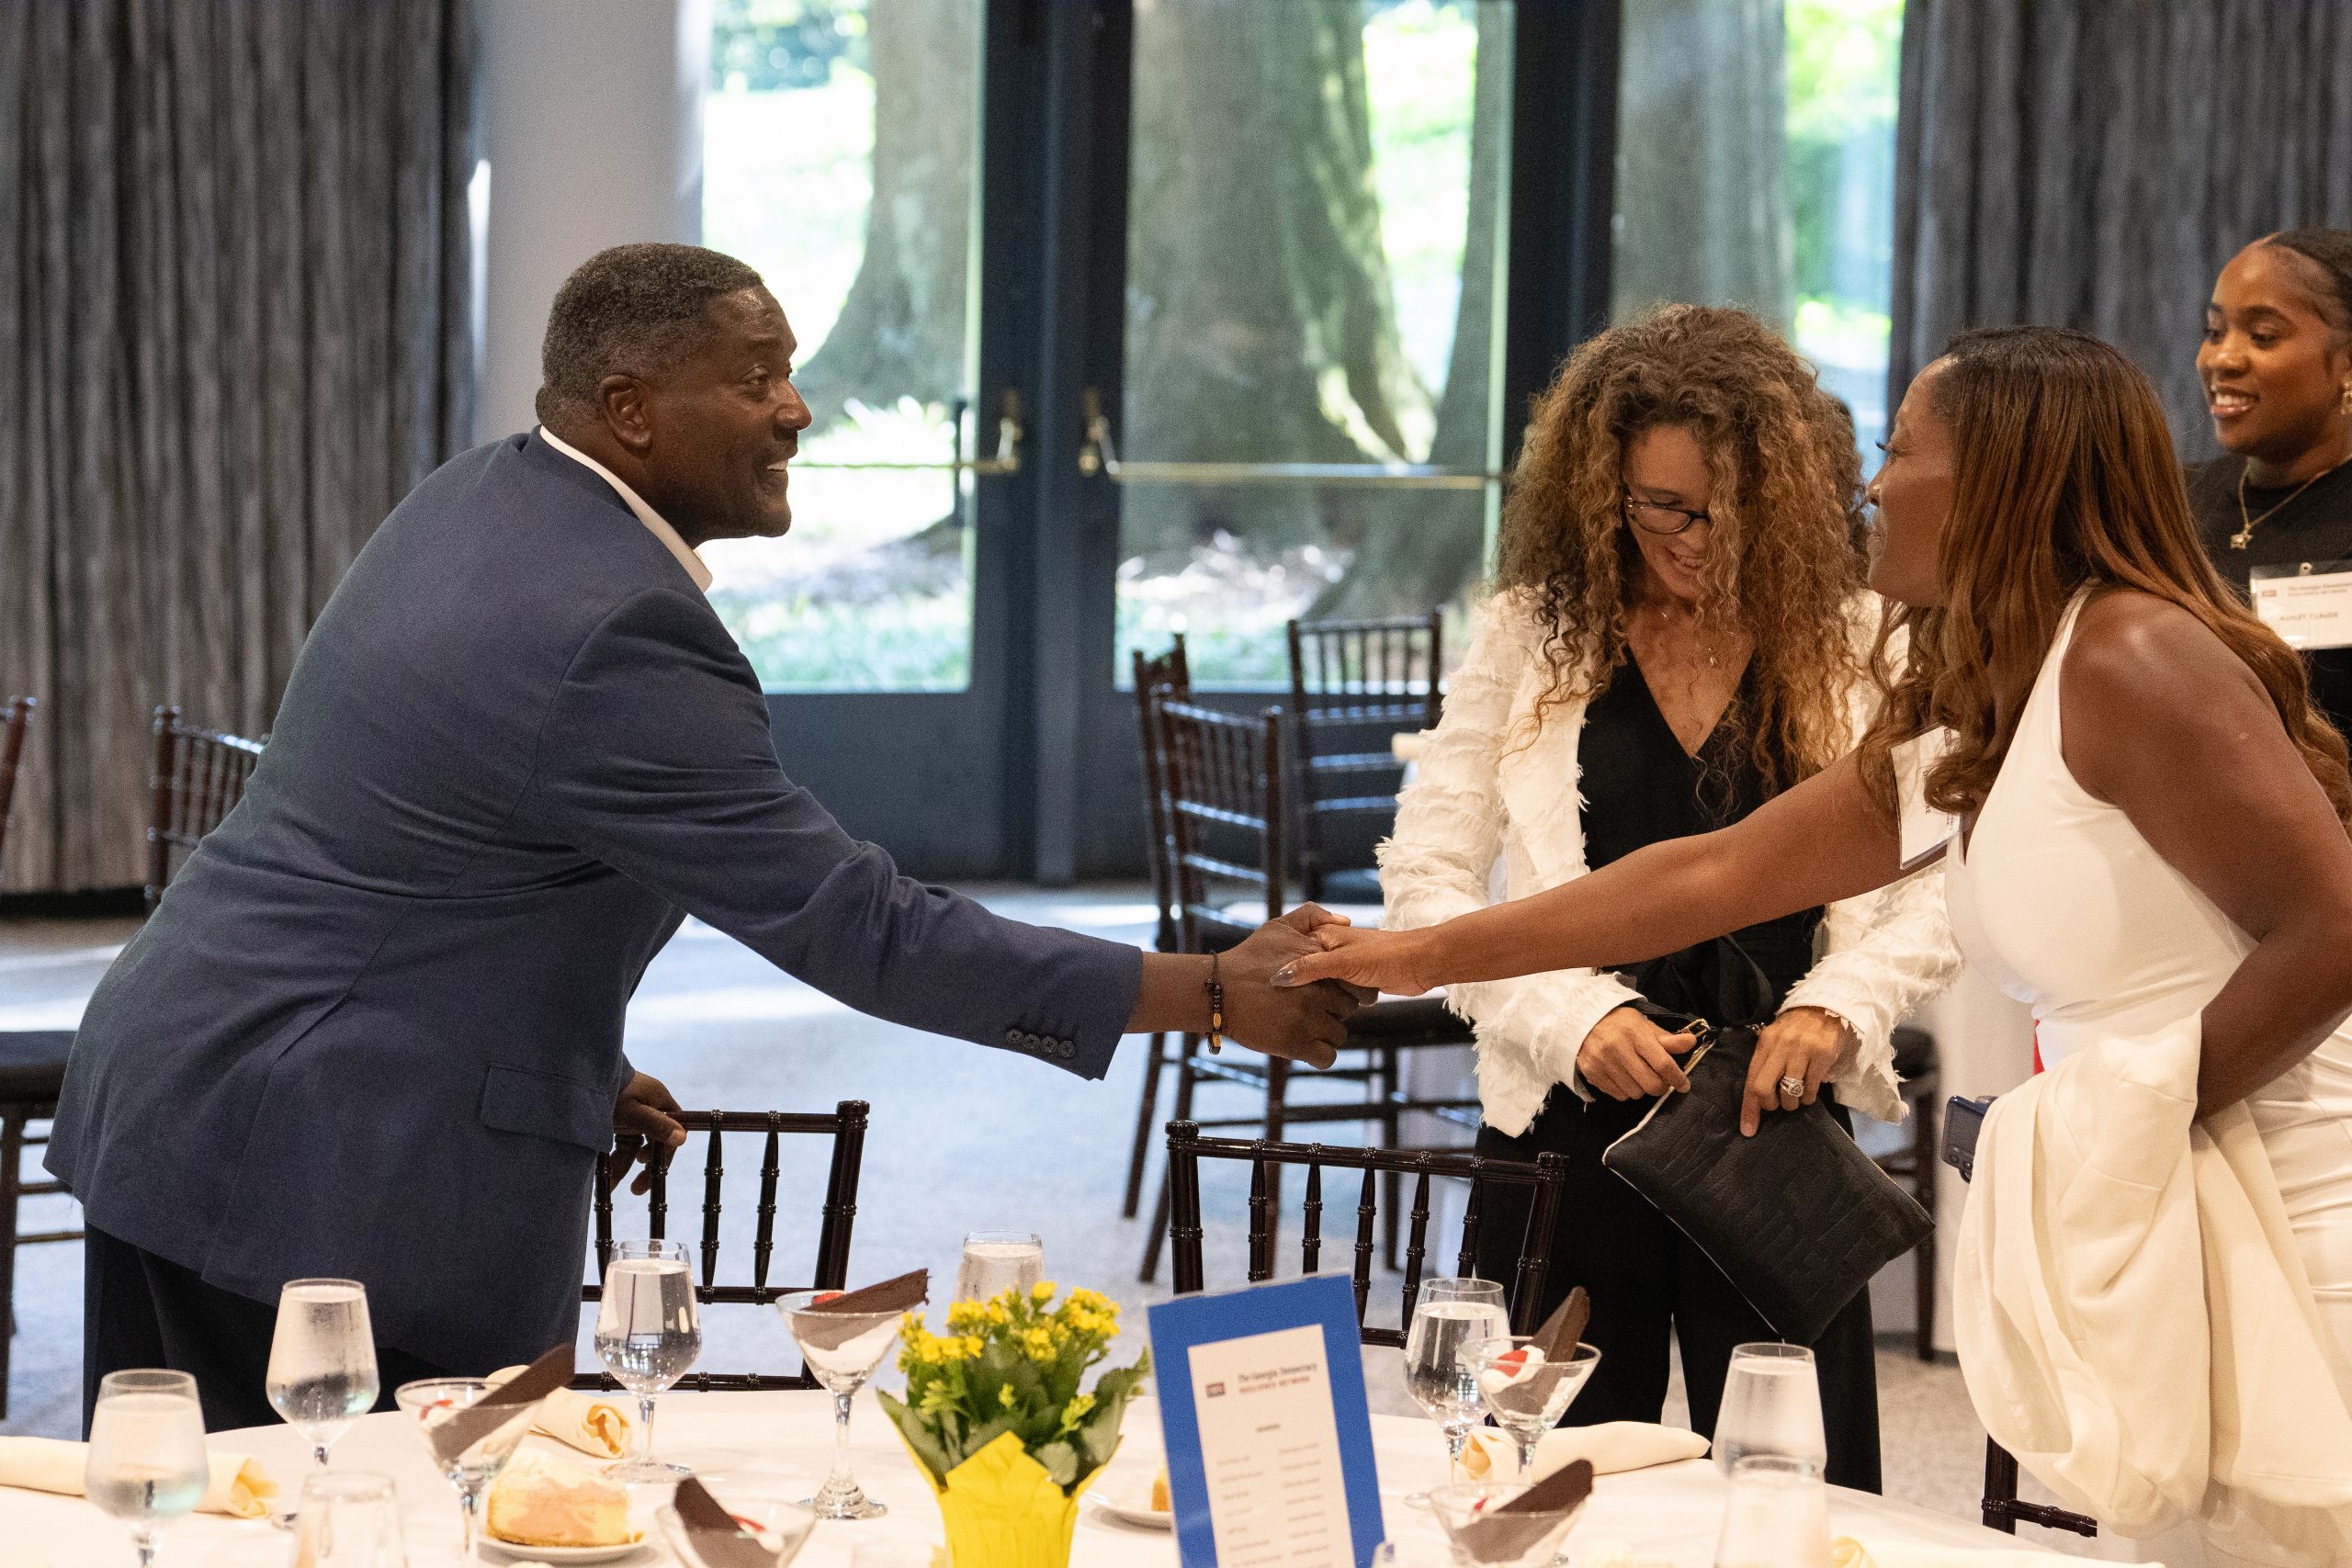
[[1354, 685], [199, 777]]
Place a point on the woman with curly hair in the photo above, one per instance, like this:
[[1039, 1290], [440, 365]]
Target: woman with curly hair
[[1680, 635]]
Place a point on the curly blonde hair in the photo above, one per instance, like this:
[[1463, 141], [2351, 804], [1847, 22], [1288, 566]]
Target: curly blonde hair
[[1786, 483]]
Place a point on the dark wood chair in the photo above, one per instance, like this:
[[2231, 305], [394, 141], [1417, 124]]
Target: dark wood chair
[[1167, 674], [1914, 1162], [32, 1073], [845, 1125], [2002, 1508], [1222, 777], [199, 777], [1354, 685], [1545, 1178]]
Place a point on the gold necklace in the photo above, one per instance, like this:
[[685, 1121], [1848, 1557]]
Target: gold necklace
[[2244, 535]]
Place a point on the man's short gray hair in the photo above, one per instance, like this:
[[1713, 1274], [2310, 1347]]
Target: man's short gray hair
[[632, 308]]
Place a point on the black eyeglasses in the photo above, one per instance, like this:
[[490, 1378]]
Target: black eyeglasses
[[1664, 521]]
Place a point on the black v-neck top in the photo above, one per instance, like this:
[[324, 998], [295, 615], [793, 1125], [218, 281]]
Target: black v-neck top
[[1640, 786]]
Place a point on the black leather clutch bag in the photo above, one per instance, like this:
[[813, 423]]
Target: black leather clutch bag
[[1797, 1217]]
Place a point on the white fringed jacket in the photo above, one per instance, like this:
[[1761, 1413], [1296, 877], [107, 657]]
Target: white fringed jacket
[[1477, 798]]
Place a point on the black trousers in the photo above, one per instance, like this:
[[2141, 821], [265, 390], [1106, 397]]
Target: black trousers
[[139, 1311], [1647, 1281]]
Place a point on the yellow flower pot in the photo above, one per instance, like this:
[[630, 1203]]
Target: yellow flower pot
[[1003, 1511]]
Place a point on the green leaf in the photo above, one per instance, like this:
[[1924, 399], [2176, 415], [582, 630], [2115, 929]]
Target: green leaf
[[926, 1448], [1060, 1461]]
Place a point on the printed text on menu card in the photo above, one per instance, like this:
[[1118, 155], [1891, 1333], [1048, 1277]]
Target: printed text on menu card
[[1271, 1450]]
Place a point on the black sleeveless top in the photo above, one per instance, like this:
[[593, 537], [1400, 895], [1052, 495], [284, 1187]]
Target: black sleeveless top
[[1640, 786], [2315, 525]]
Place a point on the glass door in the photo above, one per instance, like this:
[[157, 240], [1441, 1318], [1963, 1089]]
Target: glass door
[[1308, 425]]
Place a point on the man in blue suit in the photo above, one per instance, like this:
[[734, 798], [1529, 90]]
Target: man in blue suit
[[374, 1030]]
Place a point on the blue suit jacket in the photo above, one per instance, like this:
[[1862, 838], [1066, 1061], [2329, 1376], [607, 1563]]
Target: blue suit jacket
[[374, 1031]]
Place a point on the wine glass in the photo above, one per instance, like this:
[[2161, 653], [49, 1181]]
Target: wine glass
[[998, 1262], [841, 1348], [648, 1334], [1771, 1404], [349, 1519], [147, 1465], [471, 1468], [1518, 1540], [321, 1373], [1524, 1392], [1450, 1314], [765, 1509], [1777, 1514]]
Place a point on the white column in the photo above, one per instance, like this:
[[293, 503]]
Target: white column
[[593, 111]]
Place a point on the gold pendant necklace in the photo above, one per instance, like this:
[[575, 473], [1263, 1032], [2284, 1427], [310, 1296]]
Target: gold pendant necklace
[[2244, 535]]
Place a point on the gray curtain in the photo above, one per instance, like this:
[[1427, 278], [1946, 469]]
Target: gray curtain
[[1702, 205], [236, 308], [2092, 162]]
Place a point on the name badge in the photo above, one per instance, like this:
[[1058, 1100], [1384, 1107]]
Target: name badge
[[2307, 603], [1926, 831]]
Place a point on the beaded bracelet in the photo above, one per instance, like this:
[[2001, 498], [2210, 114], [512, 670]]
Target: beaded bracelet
[[1217, 1009]]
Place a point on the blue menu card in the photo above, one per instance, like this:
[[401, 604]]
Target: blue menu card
[[1262, 1405]]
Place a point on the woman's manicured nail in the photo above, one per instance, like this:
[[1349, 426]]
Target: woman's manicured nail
[[1286, 975]]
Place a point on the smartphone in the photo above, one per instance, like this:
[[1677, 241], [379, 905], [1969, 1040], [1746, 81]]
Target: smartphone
[[1963, 1120]]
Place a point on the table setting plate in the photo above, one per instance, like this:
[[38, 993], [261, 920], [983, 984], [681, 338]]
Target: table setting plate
[[1135, 1509], [558, 1555]]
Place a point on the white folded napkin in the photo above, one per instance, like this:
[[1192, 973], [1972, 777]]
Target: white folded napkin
[[1612, 1446], [583, 1421], [240, 1486], [1851, 1551]]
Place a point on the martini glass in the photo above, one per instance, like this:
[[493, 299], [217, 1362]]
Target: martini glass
[[1525, 1393], [472, 1468], [763, 1508], [1515, 1540], [842, 1348]]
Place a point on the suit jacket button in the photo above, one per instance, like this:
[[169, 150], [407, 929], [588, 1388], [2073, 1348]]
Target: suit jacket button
[[1012, 1037], [1068, 1050]]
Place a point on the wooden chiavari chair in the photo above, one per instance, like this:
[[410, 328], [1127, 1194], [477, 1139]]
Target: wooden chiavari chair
[[1354, 685], [199, 777], [1545, 1178], [844, 1125], [32, 1073], [1167, 674]]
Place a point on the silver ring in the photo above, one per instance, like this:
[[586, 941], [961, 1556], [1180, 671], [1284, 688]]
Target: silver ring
[[1791, 1087]]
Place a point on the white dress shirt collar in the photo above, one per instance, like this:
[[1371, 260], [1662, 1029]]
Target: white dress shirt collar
[[645, 515]]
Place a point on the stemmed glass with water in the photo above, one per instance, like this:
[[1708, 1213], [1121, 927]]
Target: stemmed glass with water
[[648, 1334], [322, 1374], [1771, 1404], [147, 1464], [1450, 1314]]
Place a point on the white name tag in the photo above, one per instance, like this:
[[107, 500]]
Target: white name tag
[[1925, 830], [2308, 602]]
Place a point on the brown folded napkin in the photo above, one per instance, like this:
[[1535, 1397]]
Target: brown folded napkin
[[1503, 1534], [903, 1294], [466, 1427], [1563, 1330], [719, 1540]]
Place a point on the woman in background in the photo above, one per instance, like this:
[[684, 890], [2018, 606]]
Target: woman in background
[[2277, 368], [1682, 633]]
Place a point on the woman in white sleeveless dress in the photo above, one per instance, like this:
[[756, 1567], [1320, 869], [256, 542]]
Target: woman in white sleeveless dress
[[2151, 816]]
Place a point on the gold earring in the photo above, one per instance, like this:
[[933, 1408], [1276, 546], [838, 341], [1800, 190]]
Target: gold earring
[[2346, 403]]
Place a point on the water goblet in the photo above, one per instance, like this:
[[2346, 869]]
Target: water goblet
[[1515, 1540], [147, 1465], [842, 1350], [648, 1335], [1776, 1517], [472, 1466], [349, 1519], [1526, 1393], [998, 1262], [761, 1506], [1771, 1404], [321, 1373], [1449, 1314]]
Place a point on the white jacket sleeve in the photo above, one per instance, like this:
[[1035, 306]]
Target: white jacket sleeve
[[1886, 952], [1440, 863]]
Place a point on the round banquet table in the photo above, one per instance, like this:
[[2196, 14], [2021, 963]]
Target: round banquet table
[[1668, 1514]]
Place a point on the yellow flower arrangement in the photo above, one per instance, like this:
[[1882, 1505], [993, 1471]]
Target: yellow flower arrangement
[[1013, 1365]]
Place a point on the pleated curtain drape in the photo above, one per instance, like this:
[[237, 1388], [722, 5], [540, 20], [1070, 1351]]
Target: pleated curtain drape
[[2092, 162], [237, 311]]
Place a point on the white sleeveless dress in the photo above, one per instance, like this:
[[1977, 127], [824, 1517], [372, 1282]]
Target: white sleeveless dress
[[2058, 901]]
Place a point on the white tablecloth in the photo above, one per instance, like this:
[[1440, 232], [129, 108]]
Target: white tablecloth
[[1668, 1514]]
